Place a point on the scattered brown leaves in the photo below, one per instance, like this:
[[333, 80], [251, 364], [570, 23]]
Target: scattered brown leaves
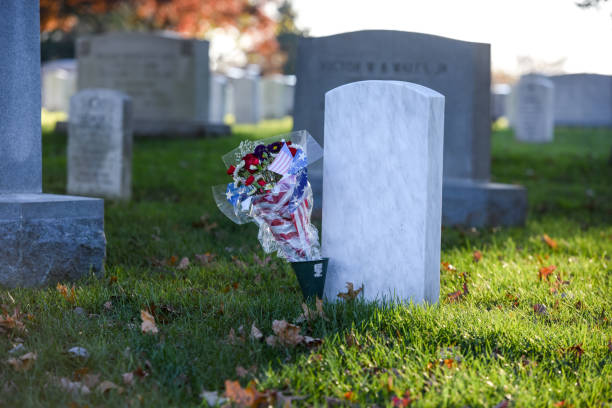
[[557, 284], [68, 294], [256, 334], [183, 264], [477, 256], [540, 309], [545, 271], [350, 293], [448, 267], [404, 401], [206, 258], [24, 362], [129, 377], [286, 333], [458, 295], [576, 349], [549, 241], [262, 262], [311, 315], [562, 404], [245, 397], [106, 386], [12, 322], [148, 325], [513, 298]]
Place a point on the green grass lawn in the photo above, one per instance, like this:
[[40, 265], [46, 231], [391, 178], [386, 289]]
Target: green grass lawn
[[490, 347]]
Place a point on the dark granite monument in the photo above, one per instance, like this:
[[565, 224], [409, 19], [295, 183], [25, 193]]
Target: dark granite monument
[[457, 69], [44, 238]]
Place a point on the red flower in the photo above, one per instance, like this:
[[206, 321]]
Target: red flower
[[261, 182], [288, 143], [249, 181], [250, 160], [293, 151], [231, 170]]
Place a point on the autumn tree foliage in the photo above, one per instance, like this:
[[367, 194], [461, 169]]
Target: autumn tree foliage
[[192, 18]]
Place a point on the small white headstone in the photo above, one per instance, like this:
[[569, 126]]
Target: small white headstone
[[273, 97], [218, 98], [246, 98], [382, 190], [534, 109], [100, 144]]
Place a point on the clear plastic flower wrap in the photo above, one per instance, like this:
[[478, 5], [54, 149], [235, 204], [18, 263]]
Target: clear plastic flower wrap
[[270, 188]]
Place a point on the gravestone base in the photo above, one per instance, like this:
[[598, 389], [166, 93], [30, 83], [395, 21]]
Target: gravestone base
[[46, 238], [169, 129], [472, 203]]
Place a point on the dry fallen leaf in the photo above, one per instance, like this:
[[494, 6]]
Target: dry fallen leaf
[[148, 323], [256, 334], [184, 264], [206, 258], [402, 402], [244, 397], [540, 309], [106, 386], [549, 241], [310, 315], [448, 267], [24, 362], [241, 371], [350, 294], [576, 349], [545, 271], [477, 256], [12, 322], [233, 339], [69, 295], [73, 387], [458, 295], [287, 333], [79, 352]]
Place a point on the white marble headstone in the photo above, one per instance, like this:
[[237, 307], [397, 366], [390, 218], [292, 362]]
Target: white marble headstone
[[100, 130], [534, 109], [382, 190]]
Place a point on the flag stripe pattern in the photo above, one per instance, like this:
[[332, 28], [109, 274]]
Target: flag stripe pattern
[[283, 161]]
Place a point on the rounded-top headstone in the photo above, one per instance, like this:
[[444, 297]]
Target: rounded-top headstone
[[383, 190], [534, 109]]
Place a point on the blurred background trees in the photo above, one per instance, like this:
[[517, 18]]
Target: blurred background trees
[[240, 31]]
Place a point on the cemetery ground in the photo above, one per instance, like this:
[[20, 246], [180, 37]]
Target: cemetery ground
[[524, 317]]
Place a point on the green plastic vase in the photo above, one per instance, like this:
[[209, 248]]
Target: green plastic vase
[[311, 276]]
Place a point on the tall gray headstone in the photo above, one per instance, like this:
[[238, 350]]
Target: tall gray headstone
[[167, 77], [534, 109], [100, 144], [44, 238], [583, 100], [383, 190], [457, 69]]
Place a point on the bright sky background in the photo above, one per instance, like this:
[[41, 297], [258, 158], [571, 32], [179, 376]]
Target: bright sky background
[[546, 30]]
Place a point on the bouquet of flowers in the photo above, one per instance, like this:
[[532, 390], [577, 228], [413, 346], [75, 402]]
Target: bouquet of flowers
[[270, 188]]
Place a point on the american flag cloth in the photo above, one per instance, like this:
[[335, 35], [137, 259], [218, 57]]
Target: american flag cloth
[[300, 161], [283, 161], [286, 215]]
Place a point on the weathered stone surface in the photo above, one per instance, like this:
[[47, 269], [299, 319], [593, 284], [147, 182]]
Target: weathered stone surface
[[383, 190], [48, 238], [480, 204], [459, 70], [43, 238], [534, 109], [20, 142], [583, 100], [100, 144], [167, 77]]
